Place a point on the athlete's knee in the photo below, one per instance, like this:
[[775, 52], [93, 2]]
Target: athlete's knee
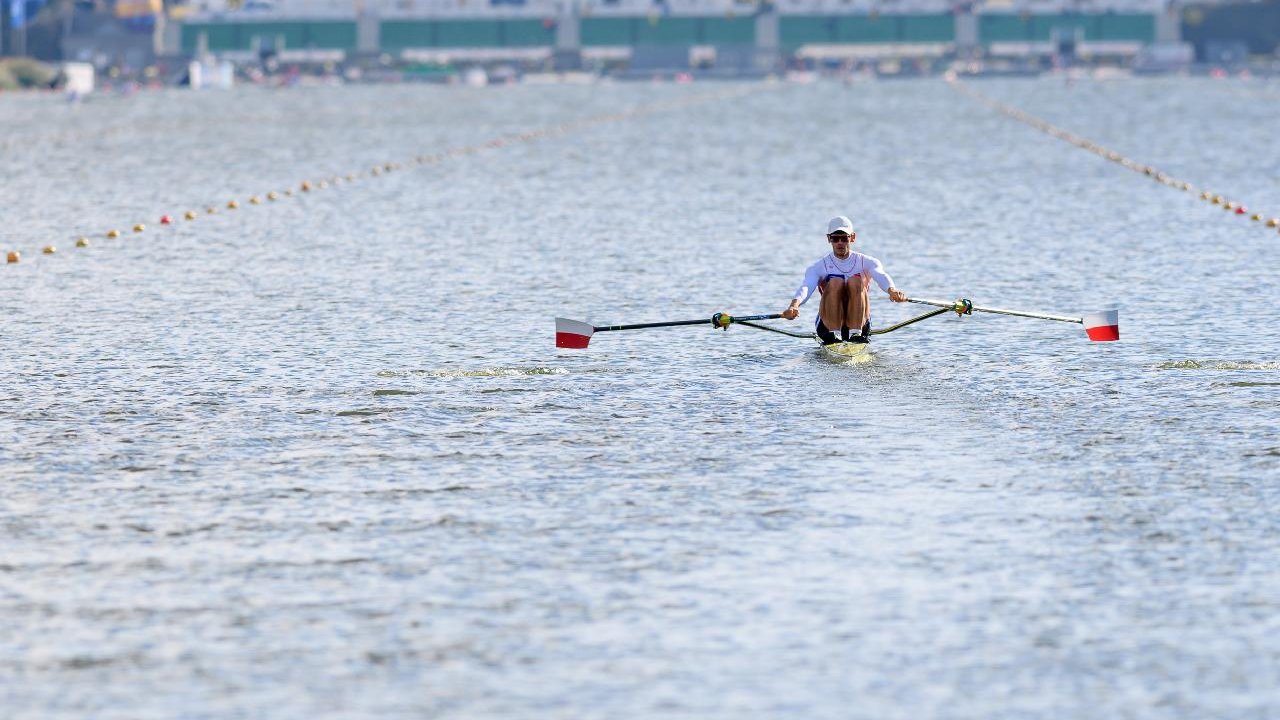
[[834, 283]]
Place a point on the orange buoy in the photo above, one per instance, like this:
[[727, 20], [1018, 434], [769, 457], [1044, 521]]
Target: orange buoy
[[306, 186], [13, 256], [232, 204]]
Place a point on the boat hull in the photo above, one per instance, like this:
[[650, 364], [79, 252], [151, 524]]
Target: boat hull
[[847, 351]]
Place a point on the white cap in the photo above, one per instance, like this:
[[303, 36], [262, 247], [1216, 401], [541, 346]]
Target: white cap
[[840, 223]]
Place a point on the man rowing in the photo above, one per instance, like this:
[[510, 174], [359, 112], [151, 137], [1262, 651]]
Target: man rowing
[[842, 278]]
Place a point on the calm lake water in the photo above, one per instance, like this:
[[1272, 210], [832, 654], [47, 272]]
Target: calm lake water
[[319, 457]]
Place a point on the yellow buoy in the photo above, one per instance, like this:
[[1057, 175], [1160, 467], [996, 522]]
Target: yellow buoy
[[82, 242], [232, 205], [14, 256], [190, 215], [306, 186], [139, 227], [49, 250], [1273, 222], [273, 195], [322, 185], [1256, 216], [288, 193], [351, 178], [211, 210], [1218, 199], [1205, 196], [113, 233], [255, 200], [1229, 206]]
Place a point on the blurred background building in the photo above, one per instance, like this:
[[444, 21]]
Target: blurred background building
[[733, 37]]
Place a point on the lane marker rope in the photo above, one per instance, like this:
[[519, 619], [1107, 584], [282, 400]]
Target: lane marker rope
[[14, 255], [1154, 173]]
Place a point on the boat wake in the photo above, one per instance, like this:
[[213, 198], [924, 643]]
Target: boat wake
[[1218, 365], [481, 372]]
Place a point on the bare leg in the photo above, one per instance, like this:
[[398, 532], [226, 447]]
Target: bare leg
[[833, 305], [856, 307]]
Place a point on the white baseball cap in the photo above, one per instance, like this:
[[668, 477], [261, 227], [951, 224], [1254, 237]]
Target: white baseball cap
[[840, 223]]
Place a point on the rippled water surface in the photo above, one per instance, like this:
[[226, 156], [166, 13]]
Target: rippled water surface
[[318, 457]]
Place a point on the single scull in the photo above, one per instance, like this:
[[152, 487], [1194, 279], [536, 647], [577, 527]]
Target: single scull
[[1099, 326]]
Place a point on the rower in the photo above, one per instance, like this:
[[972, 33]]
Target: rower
[[842, 278]]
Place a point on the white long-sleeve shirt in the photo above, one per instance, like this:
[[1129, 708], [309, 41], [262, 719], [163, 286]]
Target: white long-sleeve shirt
[[855, 264]]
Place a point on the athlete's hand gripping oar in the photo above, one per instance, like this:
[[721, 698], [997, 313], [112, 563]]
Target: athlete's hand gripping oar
[[1100, 326], [577, 334]]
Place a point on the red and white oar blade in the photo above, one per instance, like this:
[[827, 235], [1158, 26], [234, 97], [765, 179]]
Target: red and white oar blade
[[1102, 326], [573, 333]]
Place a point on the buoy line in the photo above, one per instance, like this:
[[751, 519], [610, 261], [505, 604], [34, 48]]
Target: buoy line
[[1154, 173], [14, 256]]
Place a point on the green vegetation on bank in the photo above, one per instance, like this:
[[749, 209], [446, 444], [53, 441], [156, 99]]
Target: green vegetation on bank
[[17, 73]]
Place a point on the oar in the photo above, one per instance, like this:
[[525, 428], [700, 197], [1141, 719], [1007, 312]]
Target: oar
[[577, 334], [1100, 326]]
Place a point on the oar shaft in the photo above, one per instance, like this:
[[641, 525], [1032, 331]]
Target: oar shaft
[[911, 321], [780, 331], [641, 326], [999, 311], [717, 320]]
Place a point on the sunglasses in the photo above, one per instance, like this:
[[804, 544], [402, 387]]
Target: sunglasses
[[839, 238]]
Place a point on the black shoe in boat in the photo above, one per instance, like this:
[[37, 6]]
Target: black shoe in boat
[[825, 336]]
